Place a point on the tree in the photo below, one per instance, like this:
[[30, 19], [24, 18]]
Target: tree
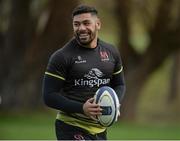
[[163, 32], [29, 42], [55, 34], [175, 78], [15, 43]]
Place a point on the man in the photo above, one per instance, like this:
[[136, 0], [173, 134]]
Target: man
[[75, 72]]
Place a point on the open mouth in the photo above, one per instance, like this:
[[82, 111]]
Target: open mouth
[[83, 35]]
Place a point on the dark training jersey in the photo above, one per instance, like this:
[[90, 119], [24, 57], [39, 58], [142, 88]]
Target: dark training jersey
[[79, 72]]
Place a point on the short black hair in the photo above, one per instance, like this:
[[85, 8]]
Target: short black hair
[[84, 9]]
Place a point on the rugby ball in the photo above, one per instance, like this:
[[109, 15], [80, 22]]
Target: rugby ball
[[107, 98]]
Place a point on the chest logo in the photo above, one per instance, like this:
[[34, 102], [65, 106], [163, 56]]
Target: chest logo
[[94, 73], [104, 56], [79, 60], [94, 77]]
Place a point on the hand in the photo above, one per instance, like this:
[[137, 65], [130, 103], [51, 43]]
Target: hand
[[91, 109], [118, 112]]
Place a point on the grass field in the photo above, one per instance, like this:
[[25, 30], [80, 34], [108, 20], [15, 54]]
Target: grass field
[[41, 126], [152, 107]]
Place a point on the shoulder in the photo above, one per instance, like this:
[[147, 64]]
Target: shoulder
[[113, 49], [64, 51]]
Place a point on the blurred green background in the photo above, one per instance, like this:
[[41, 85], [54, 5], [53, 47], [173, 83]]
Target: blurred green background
[[147, 34]]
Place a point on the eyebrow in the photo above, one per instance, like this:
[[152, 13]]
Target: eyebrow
[[81, 21]]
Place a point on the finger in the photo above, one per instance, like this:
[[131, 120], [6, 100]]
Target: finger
[[91, 100], [95, 113], [95, 109], [119, 113], [94, 106], [94, 118]]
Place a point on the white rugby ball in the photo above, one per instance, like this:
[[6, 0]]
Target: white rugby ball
[[107, 98]]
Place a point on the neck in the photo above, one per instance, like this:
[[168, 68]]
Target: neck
[[93, 44]]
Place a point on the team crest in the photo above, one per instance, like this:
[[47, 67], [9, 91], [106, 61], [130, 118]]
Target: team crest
[[104, 56]]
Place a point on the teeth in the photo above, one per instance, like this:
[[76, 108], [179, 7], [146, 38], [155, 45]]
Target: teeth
[[83, 35]]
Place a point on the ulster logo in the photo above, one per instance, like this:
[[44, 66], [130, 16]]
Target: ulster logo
[[104, 56]]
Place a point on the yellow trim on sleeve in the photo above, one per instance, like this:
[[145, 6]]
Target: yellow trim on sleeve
[[118, 71], [54, 75]]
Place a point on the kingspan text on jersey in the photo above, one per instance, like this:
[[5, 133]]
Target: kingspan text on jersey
[[91, 82]]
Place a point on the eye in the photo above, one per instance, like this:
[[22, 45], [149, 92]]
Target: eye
[[76, 24], [87, 23]]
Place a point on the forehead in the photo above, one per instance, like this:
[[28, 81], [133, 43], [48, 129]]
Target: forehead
[[84, 16]]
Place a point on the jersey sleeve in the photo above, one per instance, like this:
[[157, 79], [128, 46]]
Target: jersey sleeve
[[118, 82], [57, 66], [118, 62], [53, 82]]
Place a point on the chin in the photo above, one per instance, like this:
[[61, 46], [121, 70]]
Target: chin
[[84, 42]]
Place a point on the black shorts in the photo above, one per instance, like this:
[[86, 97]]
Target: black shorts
[[68, 132]]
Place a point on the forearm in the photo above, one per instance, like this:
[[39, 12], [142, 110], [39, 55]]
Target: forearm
[[118, 84], [54, 99], [59, 102], [120, 91]]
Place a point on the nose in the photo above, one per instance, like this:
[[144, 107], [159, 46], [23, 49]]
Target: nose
[[82, 27]]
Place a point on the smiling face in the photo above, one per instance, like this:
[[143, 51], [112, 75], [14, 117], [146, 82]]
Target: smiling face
[[86, 28]]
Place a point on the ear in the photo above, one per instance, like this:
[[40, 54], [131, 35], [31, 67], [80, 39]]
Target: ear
[[98, 24]]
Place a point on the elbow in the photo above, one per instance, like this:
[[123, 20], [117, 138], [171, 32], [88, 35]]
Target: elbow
[[124, 89], [46, 99]]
